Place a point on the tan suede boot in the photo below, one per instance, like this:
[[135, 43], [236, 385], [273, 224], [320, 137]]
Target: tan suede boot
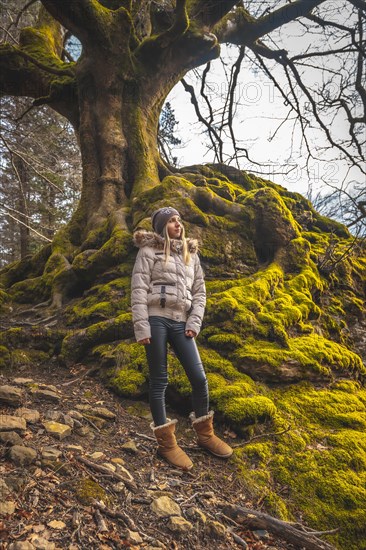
[[206, 436], [168, 447]]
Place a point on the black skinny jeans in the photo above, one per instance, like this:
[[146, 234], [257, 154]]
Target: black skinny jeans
[[164, 331]]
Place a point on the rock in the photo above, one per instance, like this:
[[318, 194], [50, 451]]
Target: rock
[[77, 448], [215, 529], [83, 431], [75, 414], [110, 466], [46, 395], [134, 537], [118, 460], [77, 423], [30, 415], [23, 381], [102, 412], [55, 524], [10, 438], [97, 455], [4, 489], [48, 387], [124, 473], [55, 416], [195, 514], [16, 482], [99, 422], [142, 410], [12, 423], [51, 453], [119, 487], [179, 524], [68, 420], [261, 534], [60, 431], [82, 407], [165, 507], [22, 456], [21, 545], [130, 447], [42, 544], [10, 395], [7, 507]]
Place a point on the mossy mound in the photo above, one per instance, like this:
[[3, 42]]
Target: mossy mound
[[319, 459], [286, 295]]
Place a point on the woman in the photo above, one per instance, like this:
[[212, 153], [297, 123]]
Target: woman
[[168, 301]]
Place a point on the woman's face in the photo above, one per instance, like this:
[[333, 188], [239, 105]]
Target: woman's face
[[174, 227]]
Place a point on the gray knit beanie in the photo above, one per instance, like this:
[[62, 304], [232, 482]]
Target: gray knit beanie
[[160, 217]]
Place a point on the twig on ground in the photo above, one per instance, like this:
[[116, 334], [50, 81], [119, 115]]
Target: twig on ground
[[115, 514], [269, 434], [89, 371], [131, 486], [146, 436], [238, 539], [101, 524]]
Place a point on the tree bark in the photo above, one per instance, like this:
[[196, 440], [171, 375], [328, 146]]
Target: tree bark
[[22, 204]]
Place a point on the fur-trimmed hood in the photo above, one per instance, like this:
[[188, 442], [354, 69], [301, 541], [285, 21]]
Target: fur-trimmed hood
[[149, 238]]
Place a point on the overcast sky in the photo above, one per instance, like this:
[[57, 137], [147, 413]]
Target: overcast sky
[[259, 113]]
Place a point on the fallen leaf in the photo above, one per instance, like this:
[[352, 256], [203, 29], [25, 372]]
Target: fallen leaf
[[55, 524]]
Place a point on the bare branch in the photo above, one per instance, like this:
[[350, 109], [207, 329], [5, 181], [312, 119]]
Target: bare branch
[[235, 75], [28, 227], [16, 153], [214, 137]]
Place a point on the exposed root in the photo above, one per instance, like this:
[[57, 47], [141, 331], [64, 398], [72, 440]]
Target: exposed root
[[300, 537]]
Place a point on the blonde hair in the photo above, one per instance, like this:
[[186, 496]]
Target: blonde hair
[[185, 252]]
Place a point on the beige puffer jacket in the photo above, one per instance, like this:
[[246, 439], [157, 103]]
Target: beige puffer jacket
[[176, 291]]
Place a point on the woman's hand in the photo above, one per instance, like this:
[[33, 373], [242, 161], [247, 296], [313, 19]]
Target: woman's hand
[[144, 341], [190, 333]]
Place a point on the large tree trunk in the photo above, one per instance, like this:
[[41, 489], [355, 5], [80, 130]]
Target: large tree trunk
[[22, 204]]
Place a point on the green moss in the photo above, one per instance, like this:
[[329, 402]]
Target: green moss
[[223, 189], [224, 341], [4, 299], [330, 226], [5, 357], [90, 263], [31, 290], [316, 459], [88, 490], [76, 344], [27, 357], [249, 410], [102, 302], [311, 352]]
